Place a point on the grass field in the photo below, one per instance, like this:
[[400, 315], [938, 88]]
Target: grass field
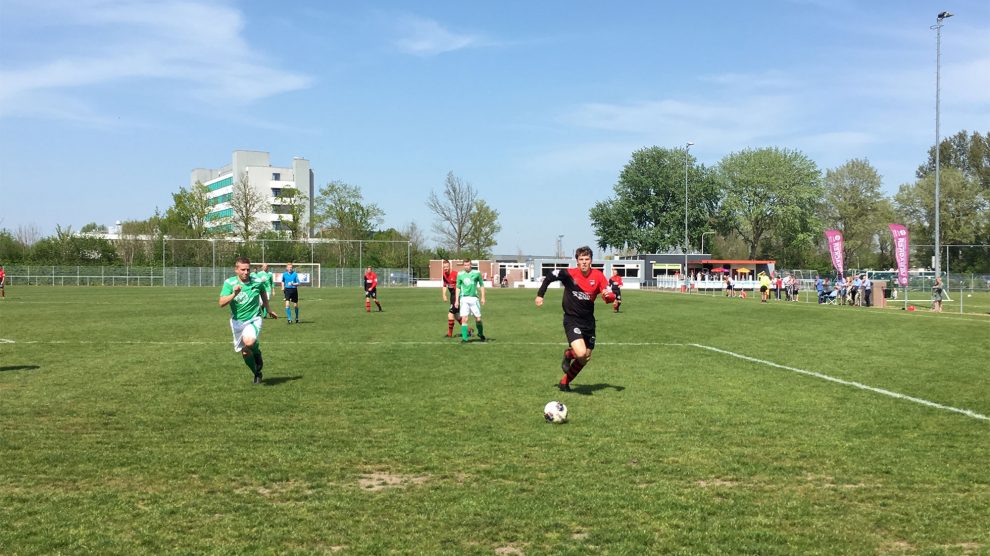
[[703, 425]]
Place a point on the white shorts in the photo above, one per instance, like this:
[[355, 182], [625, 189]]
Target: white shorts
[[470, 305], [244, 329]]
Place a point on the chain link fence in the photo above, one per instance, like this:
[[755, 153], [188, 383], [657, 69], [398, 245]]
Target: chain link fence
[[28, 275]]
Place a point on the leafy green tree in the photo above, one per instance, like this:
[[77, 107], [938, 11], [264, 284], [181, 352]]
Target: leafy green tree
[[340, 212], [11, 249], [186, 218], [93, 228], [771, 197], [968, 153], [853, 206], [964, 214], [647, 212], [483, 226]]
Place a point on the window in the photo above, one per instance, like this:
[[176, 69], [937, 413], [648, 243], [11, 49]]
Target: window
[[276, 191], [626, 270], [276, 176]]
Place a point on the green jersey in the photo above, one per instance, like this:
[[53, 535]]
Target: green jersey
[[244, 307], [468, 283], [269, 280]]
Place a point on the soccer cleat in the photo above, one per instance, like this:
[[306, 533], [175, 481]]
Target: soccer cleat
[[565, 364], [257, 378], [482, 338], [463, 341], [564, 387]]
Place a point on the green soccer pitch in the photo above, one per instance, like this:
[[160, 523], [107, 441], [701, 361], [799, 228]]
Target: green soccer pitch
[[703, 425]]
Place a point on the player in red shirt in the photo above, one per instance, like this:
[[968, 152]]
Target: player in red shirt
[[3, 276], [615, 282], [371, 290], [581, 286], [449, 290]]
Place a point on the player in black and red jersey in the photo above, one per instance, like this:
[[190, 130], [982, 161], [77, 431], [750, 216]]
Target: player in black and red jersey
[[449, 289], [581, 287], [615, 282]]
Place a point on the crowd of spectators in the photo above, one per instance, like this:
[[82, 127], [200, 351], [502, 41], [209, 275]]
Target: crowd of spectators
[[855, 290]]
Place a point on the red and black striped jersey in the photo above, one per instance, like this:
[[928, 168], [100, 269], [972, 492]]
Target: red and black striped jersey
[[580, 291], [450, 278]]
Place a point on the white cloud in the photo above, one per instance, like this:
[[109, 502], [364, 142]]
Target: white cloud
[[195, 48], [426, 37]]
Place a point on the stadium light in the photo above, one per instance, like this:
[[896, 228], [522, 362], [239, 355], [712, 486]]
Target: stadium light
[[703, 242], [938, 77], [687, 149]]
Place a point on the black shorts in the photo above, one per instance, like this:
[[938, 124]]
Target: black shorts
[[291, 294], [452, 296], [763, 289], [372, 293], [617, 292], [576, 329]]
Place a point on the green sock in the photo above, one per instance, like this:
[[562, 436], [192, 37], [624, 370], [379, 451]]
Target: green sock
[[481, 328], [464, 329], [249, 361]]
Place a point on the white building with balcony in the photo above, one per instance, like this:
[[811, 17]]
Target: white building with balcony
[[269, 181]]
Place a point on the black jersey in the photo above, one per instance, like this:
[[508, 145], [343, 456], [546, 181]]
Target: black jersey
[[580, 291]]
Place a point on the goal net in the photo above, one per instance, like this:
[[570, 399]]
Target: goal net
[[309, 273]]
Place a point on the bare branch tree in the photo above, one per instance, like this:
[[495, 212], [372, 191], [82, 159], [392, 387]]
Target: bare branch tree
[[246, 203], [453, 212]]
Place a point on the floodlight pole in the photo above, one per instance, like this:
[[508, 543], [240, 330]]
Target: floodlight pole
[[938, 78], [703, 242], [687, 149]]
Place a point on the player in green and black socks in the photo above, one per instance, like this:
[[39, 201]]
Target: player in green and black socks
[[469, 283], [243, 293], [267, 277]]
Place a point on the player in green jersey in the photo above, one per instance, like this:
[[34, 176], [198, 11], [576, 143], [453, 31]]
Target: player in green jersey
[[243, 293], [268, 278], [469, 283]]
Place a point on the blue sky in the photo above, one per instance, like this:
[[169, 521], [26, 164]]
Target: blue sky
[[106, 105]]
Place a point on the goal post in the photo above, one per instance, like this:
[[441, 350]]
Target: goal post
[[309, 273]]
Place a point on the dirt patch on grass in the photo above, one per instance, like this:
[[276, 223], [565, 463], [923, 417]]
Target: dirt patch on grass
[[514, 549], [716, 483], [381, 480]]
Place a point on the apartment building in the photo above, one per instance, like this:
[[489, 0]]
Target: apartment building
[[268, 181]]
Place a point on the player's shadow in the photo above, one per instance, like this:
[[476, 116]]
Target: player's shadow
[[276, 380], [19, 368], [590, 389]]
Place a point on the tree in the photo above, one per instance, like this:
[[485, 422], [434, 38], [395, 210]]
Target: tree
[[647, 212], [340, 212], [292, 211], [970, 154], [187, 215], [246, 203], [453, 212], [482, 227], [771, 193], [93, 228], [853, 206], [964, 213]]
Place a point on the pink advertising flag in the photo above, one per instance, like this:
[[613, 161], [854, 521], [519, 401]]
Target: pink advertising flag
[[834, 238], [901, 246]]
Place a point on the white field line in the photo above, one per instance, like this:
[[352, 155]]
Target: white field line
[[452, 341], [859, 385]]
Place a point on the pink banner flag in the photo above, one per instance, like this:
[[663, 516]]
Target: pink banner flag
[[901, 246], [834, 238]]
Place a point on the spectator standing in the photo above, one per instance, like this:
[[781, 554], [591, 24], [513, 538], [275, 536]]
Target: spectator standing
[[867, 291]]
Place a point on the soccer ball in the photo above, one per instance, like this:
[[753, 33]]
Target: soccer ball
[[555, 412]]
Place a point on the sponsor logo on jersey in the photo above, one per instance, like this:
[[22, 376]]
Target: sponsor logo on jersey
[[581, 295]]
